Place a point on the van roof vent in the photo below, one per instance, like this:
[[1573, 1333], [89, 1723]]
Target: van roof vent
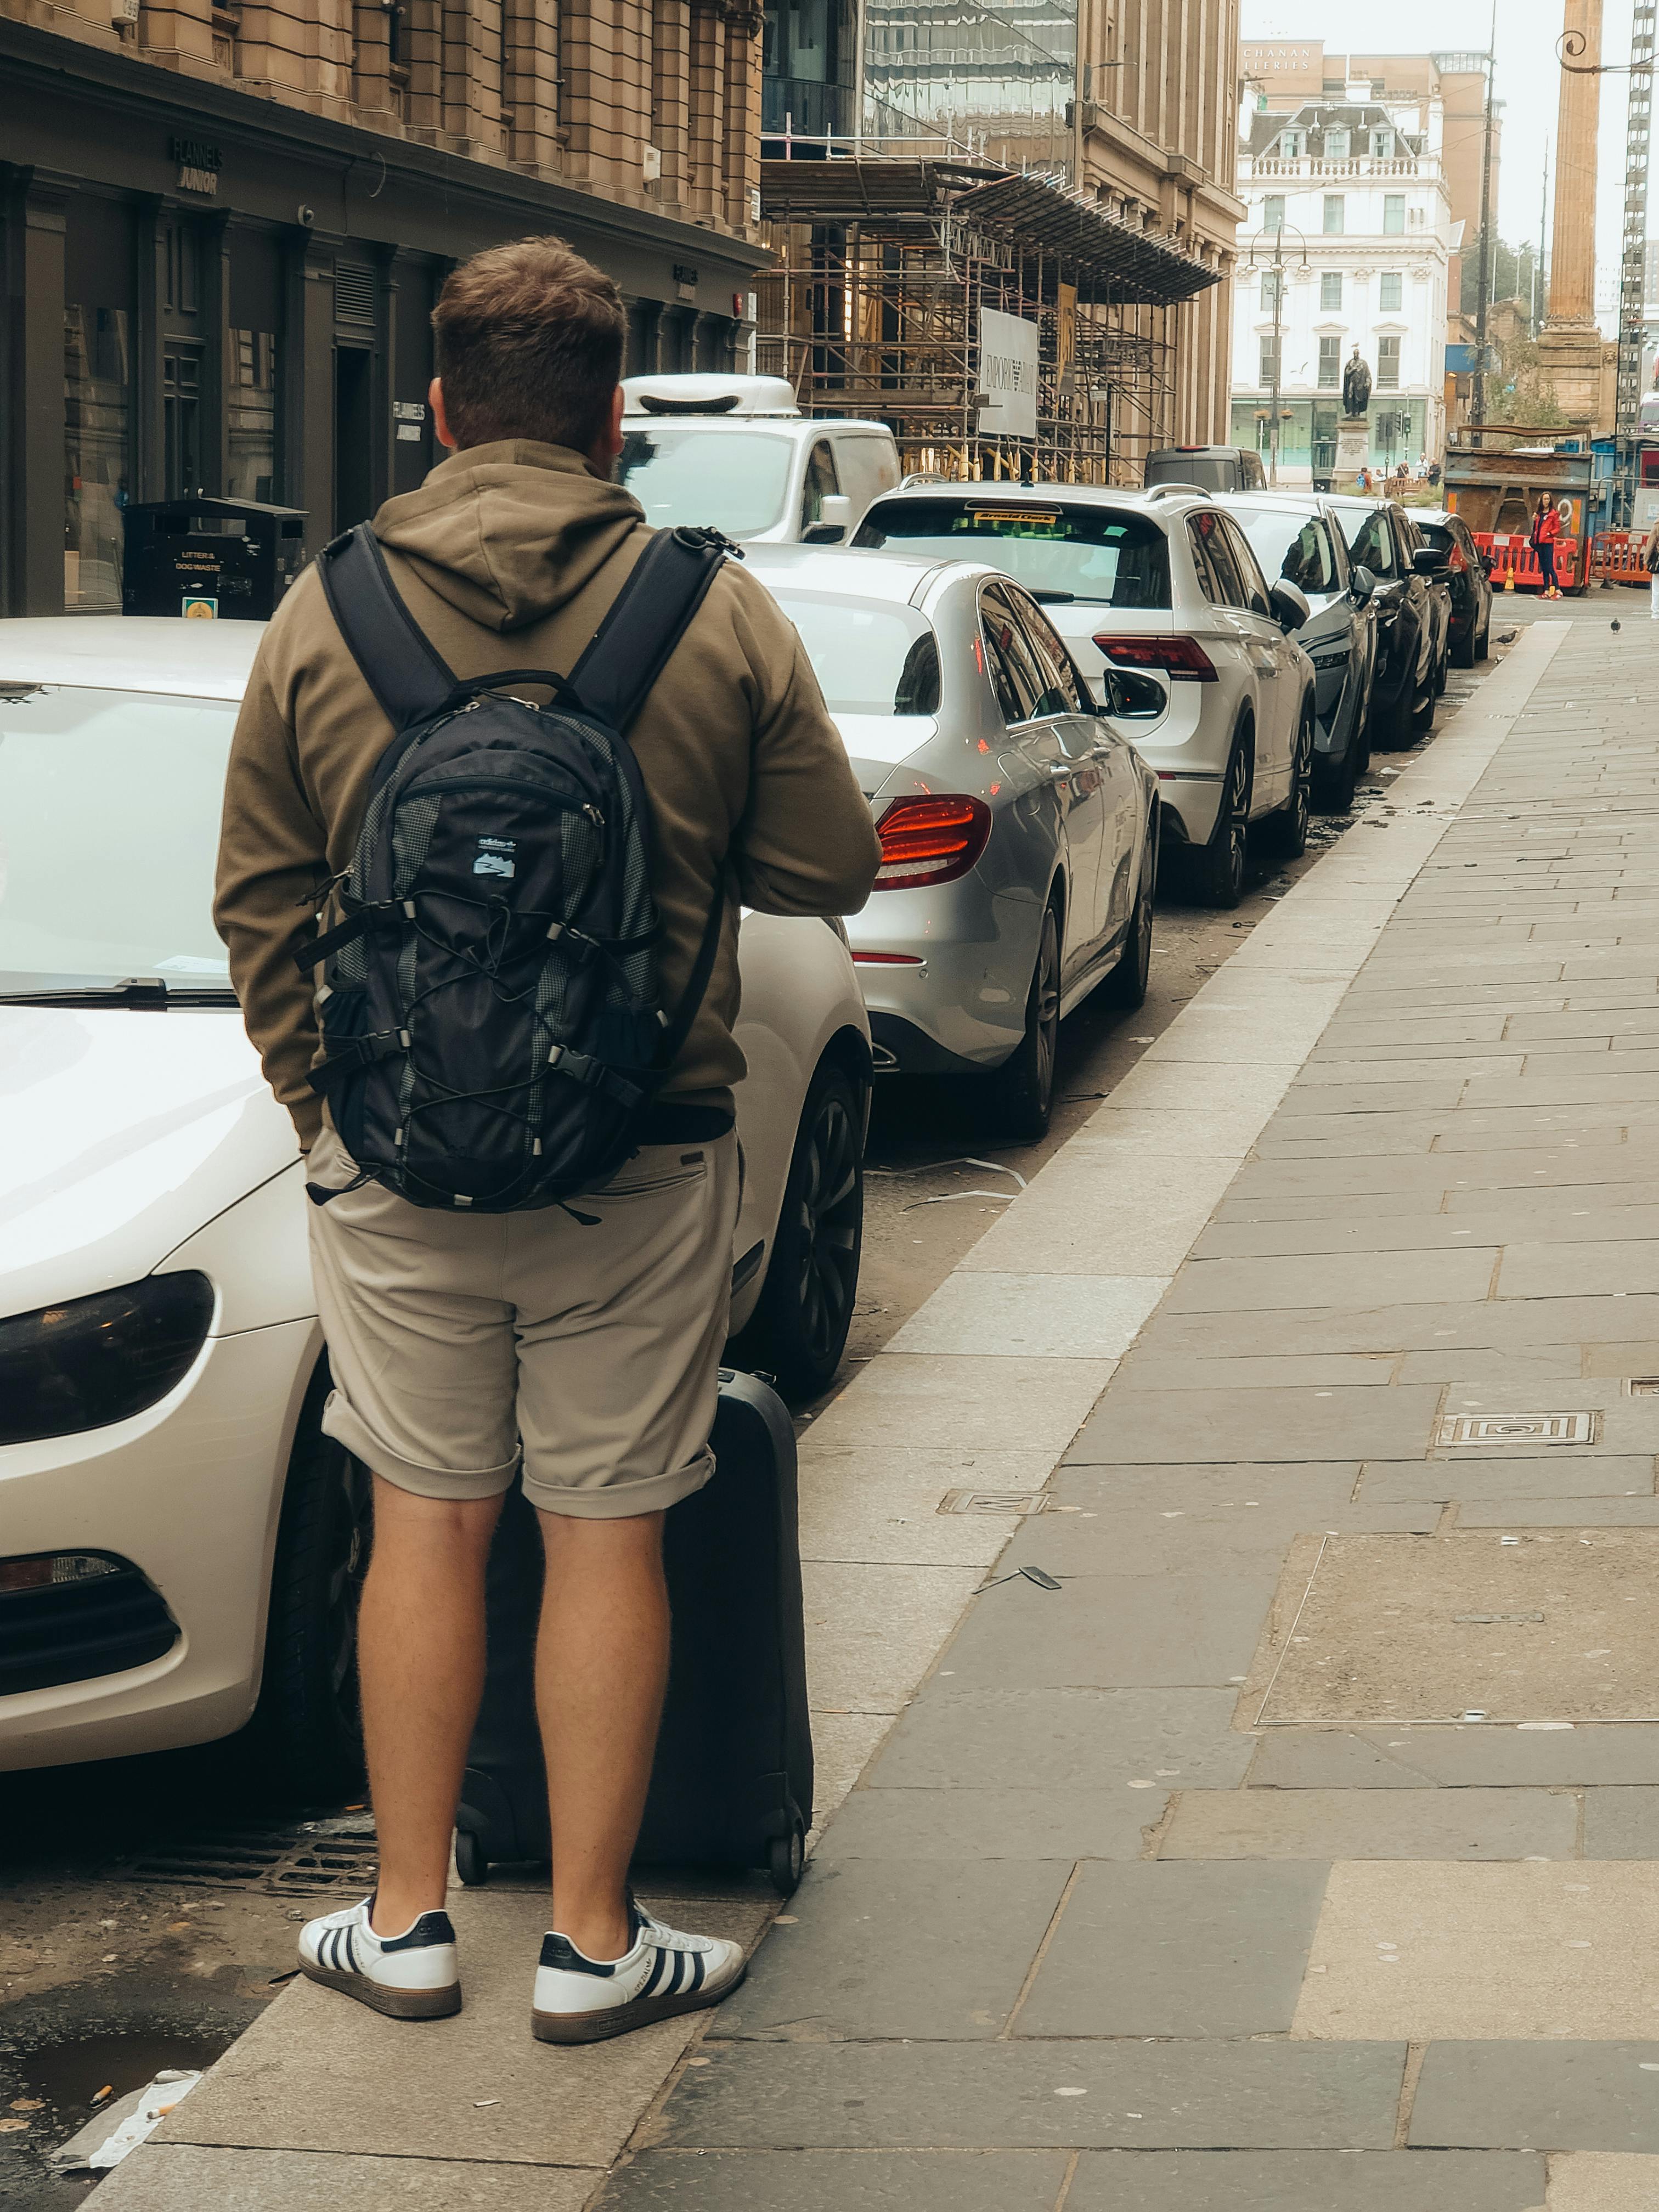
[[709, 393]]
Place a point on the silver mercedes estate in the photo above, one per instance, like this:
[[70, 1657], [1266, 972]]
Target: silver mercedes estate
[[1019, 825]]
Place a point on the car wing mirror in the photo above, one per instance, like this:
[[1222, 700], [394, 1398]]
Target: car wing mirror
[[1430, 561], [1362, 585], [835, 520], [1129, 697], [1290, 605]]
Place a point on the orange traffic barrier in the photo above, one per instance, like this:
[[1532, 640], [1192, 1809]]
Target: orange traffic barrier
[[1616, 557], [1515, 563]]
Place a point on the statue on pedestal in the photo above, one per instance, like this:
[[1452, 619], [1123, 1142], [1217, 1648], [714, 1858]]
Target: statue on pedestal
[[1356, 386]]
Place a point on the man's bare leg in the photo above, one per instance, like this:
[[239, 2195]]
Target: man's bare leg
[[601, 1668], [421, 1662]]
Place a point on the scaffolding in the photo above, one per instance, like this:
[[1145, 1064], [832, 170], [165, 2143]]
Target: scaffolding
[[884, 270], [1633, 281]]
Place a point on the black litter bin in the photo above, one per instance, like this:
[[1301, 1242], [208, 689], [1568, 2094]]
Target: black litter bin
[[228, 558]]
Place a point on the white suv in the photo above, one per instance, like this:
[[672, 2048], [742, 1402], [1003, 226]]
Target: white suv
[[1168, 614]]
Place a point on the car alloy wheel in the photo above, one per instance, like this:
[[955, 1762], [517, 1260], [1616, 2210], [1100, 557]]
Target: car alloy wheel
[[1217, 870], [798, 1330], [1126, 985], [1023, 1088], [1289, 824], [306, 1733]]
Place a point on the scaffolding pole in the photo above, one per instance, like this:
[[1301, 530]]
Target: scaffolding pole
[[1632, 280]]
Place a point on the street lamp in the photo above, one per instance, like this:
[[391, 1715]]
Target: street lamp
[[1277, 265]]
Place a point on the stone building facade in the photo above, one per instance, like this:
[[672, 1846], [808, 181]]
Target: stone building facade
[[222, 228]]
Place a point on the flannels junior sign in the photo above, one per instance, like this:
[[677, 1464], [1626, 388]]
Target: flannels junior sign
[[1007, 390]]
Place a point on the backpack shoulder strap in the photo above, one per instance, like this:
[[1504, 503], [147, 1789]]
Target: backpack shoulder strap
[[647, 618], [398, 662]]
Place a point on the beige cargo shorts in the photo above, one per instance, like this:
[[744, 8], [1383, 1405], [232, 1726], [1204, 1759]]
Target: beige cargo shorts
[[462, 1345]]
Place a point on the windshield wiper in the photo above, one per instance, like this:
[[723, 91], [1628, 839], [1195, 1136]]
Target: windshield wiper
[[141, 992], [1046, 598]]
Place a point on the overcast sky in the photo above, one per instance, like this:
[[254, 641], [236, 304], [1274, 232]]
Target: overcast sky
[[1528, 82]]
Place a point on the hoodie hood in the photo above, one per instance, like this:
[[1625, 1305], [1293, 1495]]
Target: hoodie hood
[[508, 533]]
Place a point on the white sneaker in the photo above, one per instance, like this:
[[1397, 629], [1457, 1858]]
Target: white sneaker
[[413, 1976], [582, 1999]]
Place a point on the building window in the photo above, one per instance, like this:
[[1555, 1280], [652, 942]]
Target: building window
[[1382, 145], [181, 429], [1273, 211], [1333, 214], [97, 388], [1330, 288], [1388, 364], [252, 416], [1269, 364], [1336, 145], [1290, 145], [1330, 363], [1394, 214], [1391, 290], [1269, 290]]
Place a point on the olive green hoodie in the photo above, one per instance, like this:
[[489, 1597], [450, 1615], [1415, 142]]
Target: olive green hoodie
[[508, 557]]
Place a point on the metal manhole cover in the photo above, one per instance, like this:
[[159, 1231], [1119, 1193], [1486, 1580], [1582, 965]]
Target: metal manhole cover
[[1546, 1625], [1518, 1428], [307, 1860], [991, 1501]]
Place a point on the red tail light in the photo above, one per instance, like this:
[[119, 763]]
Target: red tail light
[[1178, 657], [1455, 558], [930, 841]]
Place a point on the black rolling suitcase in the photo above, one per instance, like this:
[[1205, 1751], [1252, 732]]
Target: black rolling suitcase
[[732, 1782]]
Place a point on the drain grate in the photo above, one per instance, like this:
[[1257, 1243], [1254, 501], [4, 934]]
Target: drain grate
[[991, 1501], [307, 1860], [1518, 1428]]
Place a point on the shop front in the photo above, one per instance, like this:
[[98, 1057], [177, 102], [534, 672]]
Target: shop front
[[210, 293]]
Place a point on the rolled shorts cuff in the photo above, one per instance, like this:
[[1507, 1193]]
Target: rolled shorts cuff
[[342, 1421], [621, 1501]]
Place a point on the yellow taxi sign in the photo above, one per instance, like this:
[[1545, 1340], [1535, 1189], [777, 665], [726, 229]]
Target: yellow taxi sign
[[1023, 517]]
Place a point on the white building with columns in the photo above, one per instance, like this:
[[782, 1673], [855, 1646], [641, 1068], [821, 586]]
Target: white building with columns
[[1346, 242]]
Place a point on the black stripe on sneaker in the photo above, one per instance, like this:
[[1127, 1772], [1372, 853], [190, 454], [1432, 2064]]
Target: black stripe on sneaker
[[326, 1949], [694, 1981], [351, 1949], [655, 1976]]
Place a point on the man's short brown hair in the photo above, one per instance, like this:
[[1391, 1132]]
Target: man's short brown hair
[[529, 341]]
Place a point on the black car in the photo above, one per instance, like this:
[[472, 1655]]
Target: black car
[[1468, 580], [1405, 577]]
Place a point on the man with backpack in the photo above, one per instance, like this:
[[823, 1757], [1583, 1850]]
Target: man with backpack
[[509, 1058]]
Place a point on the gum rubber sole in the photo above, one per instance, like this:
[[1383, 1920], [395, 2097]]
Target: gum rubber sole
[[396, 2004], [599, 2027]]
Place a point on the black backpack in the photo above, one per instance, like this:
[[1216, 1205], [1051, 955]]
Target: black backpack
[[493, 1035]]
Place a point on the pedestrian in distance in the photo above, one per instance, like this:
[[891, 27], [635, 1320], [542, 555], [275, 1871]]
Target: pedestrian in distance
[[1546, 531], [1651, 562], [563, 1331]]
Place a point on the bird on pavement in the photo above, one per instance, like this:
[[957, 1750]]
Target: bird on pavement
[[1616, 624]]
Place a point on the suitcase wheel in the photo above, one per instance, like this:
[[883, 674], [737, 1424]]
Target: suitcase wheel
[[785, 1859], [472, 1860]]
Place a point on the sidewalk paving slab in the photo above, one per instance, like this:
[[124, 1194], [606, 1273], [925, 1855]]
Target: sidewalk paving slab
[[162, 2177], [1544, 2095], [1249, 2094], [840, 2181], [1312, 2181]]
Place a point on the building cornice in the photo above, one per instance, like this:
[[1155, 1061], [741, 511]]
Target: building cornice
[[122, 84]]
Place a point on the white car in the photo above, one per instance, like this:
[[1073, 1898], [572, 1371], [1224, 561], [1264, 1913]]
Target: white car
[[180, 1544], [736, 454], [1162, 584]]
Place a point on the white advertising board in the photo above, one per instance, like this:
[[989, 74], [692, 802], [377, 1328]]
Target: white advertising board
[[1007, 375]]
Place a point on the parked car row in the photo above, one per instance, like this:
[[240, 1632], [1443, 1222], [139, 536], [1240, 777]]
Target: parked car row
[[1040, 687]]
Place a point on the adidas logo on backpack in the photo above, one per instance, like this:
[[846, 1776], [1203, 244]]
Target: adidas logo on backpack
[[492, 1029]]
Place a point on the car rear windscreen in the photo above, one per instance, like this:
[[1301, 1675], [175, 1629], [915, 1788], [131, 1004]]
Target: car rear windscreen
[[1091, 554], [869, 656], [1209, 471]]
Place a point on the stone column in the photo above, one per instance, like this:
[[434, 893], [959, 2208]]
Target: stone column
[[1569, 344]]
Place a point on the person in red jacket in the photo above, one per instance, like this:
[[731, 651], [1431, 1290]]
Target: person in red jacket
[[1546, 530]]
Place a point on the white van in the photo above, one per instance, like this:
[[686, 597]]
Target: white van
[[736, 453]]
